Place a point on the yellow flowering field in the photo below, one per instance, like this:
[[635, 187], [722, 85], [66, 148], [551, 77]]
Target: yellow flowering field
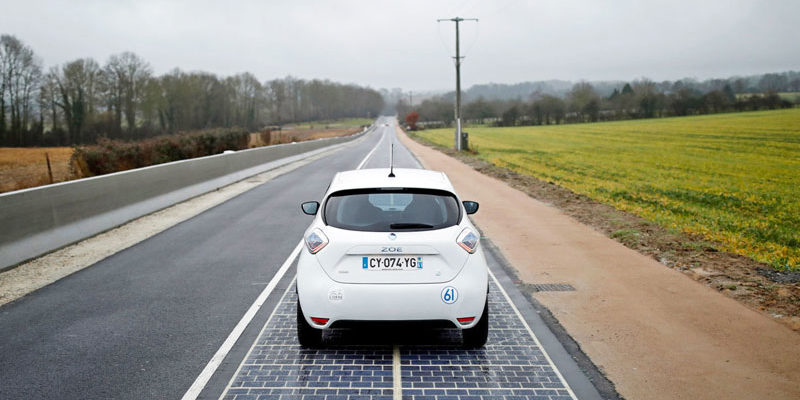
[[732, 178]]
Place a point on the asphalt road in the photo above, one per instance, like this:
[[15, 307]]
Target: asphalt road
[[144, 322]]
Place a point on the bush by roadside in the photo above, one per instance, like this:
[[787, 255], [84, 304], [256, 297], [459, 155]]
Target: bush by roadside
[[109, 156], [22, 168]]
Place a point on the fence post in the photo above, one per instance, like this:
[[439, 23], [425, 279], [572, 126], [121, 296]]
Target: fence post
[[49, 169]]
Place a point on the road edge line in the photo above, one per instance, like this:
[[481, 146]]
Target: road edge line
[[530, 332], [364, 161], [255, 342], [216, 360]]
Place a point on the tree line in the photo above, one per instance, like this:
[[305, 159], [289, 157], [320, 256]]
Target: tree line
[[637, 99], [788, 81], [80, 101]]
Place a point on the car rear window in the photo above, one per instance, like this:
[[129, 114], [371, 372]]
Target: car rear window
[[387, 210]]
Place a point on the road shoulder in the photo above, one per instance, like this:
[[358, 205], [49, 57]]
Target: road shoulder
[[653, 331]]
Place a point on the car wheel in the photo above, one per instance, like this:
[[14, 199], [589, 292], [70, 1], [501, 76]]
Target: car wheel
[[306, 335], [476, 336]]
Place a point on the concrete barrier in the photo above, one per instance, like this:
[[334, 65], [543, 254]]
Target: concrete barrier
[[39, 220]]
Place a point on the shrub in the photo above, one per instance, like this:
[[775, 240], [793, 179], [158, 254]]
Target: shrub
[[109, 156]]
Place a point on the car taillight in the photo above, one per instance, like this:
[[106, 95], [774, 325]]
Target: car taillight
[[465, 320], [468, 240], [319, 321], [315, 241]]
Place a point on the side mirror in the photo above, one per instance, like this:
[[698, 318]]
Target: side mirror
[[310, 207], [471, 206]]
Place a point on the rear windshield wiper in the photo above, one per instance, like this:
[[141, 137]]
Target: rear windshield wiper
[[409, 225]]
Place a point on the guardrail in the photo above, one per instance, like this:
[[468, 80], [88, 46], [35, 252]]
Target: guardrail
[[39, 220]]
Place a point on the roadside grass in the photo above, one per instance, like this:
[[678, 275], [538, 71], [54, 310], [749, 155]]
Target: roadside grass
[[331, 124], [730, 178], [299, 135], [351, 122], [24, 167], [626, 236]]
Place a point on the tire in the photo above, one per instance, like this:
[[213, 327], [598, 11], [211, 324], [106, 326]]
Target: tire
[[306, 335], [475, 337]]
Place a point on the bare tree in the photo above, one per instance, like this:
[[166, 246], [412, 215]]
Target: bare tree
[[277, 100], [248, 99], [20, 73], [772, 82], [77, 83], [553, 109], [584, 102], [126, 76], [648, 98], [49, 101]]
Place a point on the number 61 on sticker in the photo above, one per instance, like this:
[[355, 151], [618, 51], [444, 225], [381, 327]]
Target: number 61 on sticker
[[449, 295]]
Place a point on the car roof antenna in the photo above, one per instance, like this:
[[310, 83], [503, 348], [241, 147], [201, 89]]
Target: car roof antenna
[[391, 162]]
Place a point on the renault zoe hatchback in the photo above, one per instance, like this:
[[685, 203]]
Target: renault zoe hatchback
[[389, 246]]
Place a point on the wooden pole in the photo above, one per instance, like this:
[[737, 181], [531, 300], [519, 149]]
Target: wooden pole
[[49, 169]]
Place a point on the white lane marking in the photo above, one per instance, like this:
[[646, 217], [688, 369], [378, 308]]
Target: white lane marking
[[364, 161], [223, 351], [397, 389], [414, 159], [255, 342], [535, 339]]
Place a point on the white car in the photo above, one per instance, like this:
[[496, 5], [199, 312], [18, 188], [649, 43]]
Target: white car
[[391, 247]]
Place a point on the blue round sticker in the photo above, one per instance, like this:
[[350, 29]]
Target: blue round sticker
[[449, 295]]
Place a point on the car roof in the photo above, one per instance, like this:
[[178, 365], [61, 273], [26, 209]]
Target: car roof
[[379, 178]]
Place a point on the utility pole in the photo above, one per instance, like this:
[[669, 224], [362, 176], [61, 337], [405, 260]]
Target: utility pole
[[458, 138], [411, 99]]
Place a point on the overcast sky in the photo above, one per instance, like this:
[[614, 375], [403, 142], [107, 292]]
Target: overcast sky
[[387, 44]]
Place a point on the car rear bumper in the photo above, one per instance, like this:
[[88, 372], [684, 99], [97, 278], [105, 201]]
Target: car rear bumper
[[322, 297]]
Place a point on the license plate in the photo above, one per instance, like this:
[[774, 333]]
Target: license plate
[[391, 263]]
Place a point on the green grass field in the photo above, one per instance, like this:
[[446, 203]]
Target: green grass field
[[732, 178]]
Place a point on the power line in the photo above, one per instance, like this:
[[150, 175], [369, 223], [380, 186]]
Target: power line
[[458, 138]]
